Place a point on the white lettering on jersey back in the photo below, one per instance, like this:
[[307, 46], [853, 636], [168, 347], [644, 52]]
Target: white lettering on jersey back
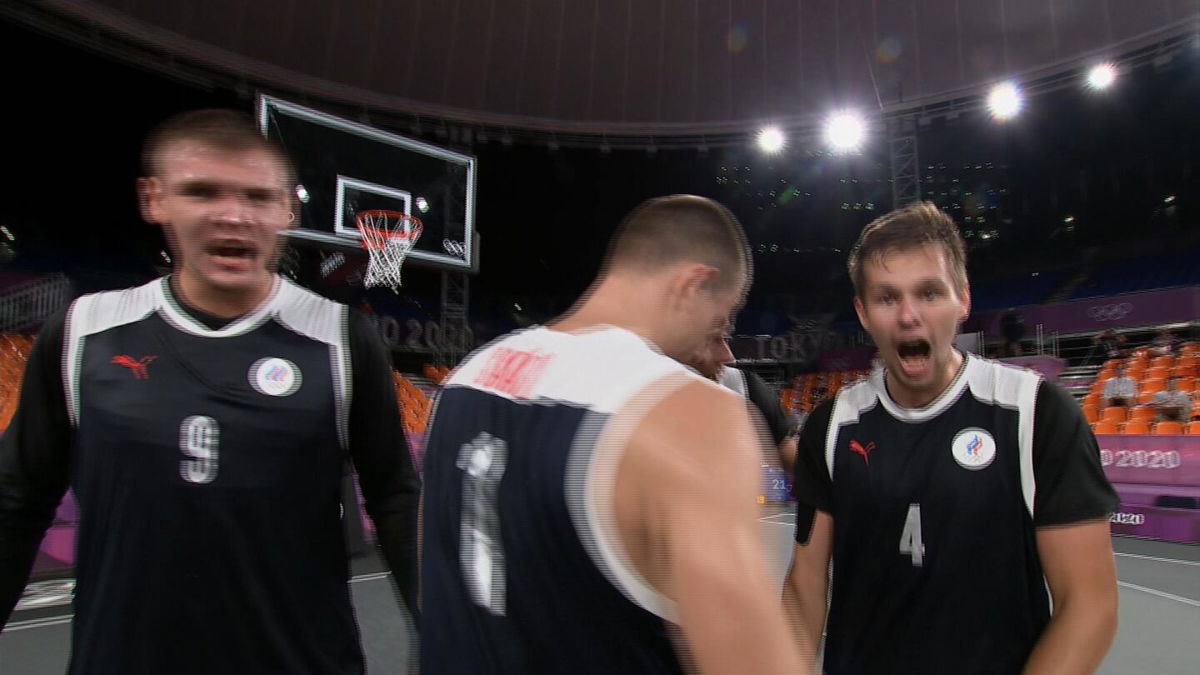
[[617, 376]]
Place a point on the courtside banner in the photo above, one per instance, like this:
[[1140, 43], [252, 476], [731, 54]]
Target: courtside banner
[[1157, 460], [1146, 308]]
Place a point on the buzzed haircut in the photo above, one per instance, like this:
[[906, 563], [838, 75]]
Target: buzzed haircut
[[223, 129], [904, 229], [682, 228]]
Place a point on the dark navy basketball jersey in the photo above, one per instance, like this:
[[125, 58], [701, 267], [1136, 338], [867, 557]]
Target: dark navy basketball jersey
[[207, 467], [523, 570], [935, 510]]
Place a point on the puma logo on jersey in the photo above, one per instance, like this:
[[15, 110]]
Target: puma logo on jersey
[[138, 366], [855, 446]]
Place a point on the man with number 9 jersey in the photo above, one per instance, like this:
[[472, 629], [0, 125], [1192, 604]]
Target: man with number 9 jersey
[[951, 492], [204, 421]]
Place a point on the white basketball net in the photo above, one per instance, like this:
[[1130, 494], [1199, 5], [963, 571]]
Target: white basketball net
[[388, 236]]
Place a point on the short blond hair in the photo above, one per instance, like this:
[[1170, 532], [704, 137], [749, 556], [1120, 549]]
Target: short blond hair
[[907, 228]]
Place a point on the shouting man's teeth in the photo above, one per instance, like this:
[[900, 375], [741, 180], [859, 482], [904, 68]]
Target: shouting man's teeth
[[914, 357]]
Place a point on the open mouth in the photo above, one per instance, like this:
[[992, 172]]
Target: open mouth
[[232, 252], [914, 357]]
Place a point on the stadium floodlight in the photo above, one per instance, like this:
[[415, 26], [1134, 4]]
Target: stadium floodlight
[[771, 140], [1102, 76], [845, 131], [1004, 101]]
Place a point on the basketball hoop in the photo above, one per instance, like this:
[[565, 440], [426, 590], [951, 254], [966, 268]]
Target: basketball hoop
[[387, 236]]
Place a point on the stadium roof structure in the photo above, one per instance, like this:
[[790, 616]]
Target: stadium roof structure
[[625, 71]]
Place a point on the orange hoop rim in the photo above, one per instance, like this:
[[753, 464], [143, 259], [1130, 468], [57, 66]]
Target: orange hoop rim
[[380, 236]]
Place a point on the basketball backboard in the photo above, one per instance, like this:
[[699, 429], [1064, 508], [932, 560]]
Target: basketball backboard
[[344, 168]]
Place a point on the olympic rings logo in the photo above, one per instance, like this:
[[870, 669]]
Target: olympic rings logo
[[1110, 312], [454, 248]]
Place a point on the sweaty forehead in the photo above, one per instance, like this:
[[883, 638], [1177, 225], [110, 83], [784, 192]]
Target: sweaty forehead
[[908, 266], [188, 155]]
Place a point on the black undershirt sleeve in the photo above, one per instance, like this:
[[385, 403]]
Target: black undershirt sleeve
[[390, 485], [34, 463], [811, 485], [767, 401], [1070, 485]]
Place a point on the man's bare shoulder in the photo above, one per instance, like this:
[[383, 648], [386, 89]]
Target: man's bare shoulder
[[697, 427]]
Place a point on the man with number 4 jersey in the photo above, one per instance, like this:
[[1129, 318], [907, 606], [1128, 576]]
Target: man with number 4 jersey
[[962, 501], [589, 503], [203, 421]]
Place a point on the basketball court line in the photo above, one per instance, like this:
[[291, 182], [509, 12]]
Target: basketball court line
[[66, 618], [790, 519], [60, 620], [1136, 556], [14, 626], [1161, 594]]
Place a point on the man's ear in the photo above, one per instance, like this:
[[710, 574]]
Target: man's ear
[[690, 279], [861, 311], [149, 191]]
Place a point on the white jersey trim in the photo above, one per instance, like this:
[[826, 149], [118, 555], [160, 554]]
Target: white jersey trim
[[318, 318], [734, 380], [935, 407], [849, 406], [592, 469], [93, 314], [618, 377], [297, 309], [181, 320], [1009, 387]]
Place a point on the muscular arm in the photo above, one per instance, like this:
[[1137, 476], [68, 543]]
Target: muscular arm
[[389, 482], [694, 464], [807, 585], [1071, 508], [1078, 562], [34, 464]]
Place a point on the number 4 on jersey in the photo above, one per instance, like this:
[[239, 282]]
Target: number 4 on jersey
[[910, 538]]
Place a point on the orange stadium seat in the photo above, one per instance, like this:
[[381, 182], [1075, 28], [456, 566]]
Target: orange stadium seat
[[1146, 396], [1106, 427], [1091, 413], [1168, 428], [1136, 427], [1156, 373], [1115, 414], [1194, 427], [1164, 361], [1145, 413], [1152, 384]]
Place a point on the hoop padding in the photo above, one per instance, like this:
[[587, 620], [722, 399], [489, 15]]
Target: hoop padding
[[388, 236]]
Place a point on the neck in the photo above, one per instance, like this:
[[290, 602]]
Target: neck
[[906, 397], [223, 303], [612, 302]]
